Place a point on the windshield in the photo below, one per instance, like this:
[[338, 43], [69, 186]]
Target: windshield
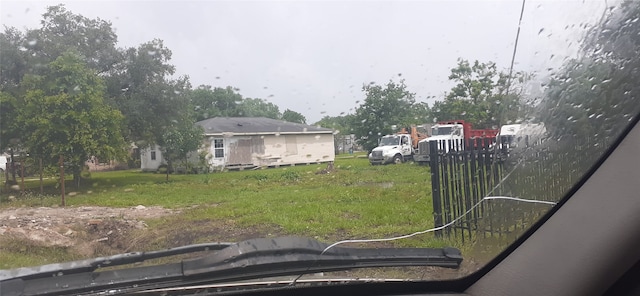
[[389, 141], [138, 126], [442, 131], [508, 139]]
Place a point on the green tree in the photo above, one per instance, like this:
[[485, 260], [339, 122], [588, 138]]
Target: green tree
[[293, 116], [341, 126], [61, 31], [202, 102], [259, 108], [178, 141], [14, 63], [144, 93], [227, 100], [208, 102], [31, 51], [63, 114], [383, 109], [480, 96]]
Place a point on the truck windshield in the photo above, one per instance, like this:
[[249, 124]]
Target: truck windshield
[[389, 141], [443, 130], [508, 139]]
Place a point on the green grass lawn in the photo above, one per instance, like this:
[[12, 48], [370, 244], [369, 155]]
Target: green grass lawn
[[356, 200]]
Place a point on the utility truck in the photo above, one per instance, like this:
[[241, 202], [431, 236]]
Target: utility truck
[[453, 135], [517, 137], [398, 147]]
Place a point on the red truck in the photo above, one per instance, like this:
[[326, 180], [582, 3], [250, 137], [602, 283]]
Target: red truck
[[454, 134]]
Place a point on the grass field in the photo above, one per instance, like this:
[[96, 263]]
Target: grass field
[[356, 200]]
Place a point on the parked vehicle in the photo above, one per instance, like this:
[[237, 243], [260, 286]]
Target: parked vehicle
[[3, 163], [517, 137], [397, 148], [452, 135]]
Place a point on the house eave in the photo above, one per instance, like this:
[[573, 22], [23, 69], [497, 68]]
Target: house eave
[[268, 133]]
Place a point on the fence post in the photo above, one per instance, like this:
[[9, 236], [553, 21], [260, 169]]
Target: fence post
[[435, 186]]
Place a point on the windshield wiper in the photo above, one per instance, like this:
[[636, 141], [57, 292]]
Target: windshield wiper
[[250, 259]]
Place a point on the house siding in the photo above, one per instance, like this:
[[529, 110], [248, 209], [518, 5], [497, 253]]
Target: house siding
[[270, 150], [302, 148]]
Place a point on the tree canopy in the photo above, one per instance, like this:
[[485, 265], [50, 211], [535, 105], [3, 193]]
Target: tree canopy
[[293, 116], [480, 96], [385, 110], [179, 140], [259, 108], [64, 114]]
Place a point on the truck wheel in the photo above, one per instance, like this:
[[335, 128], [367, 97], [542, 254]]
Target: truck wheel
[[397, 159]]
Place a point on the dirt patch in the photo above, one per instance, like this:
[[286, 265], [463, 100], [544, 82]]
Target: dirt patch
[[87, 230]]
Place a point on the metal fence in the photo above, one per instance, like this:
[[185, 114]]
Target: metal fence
[[465, 173]]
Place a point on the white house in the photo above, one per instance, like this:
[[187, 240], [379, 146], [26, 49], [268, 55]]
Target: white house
[[243, 142], [248, 141]]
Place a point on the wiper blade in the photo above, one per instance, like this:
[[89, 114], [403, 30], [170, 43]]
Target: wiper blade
[[251, 259], [101, 262]]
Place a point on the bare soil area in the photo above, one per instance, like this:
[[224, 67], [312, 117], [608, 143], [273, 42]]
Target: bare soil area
[[80, 228]]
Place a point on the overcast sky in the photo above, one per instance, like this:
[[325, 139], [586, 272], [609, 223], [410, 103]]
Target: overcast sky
[[314, 57]]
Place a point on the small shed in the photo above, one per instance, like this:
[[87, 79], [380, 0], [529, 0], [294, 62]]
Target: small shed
[[151, 158], [240, 142]]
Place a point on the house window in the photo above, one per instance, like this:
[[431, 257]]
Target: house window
[[218, 146], [153, 155]]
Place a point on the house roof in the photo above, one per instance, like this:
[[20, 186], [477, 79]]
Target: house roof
[[256, 126]]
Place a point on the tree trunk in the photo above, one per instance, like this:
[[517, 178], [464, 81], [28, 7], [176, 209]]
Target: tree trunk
[[62, 180], [40, 169], [77, 175], [13, 167], [168, 168]]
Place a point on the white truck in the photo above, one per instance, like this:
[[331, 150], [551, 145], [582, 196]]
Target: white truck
[[452, 135], [516, 137], [396, 148]]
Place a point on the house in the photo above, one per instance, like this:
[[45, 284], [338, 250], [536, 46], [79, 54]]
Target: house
[[248, 141], [245, 142]]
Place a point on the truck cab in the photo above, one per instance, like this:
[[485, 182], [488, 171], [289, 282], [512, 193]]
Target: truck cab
[[451, 136], [395, 148], [509, 136], [518, 137]]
